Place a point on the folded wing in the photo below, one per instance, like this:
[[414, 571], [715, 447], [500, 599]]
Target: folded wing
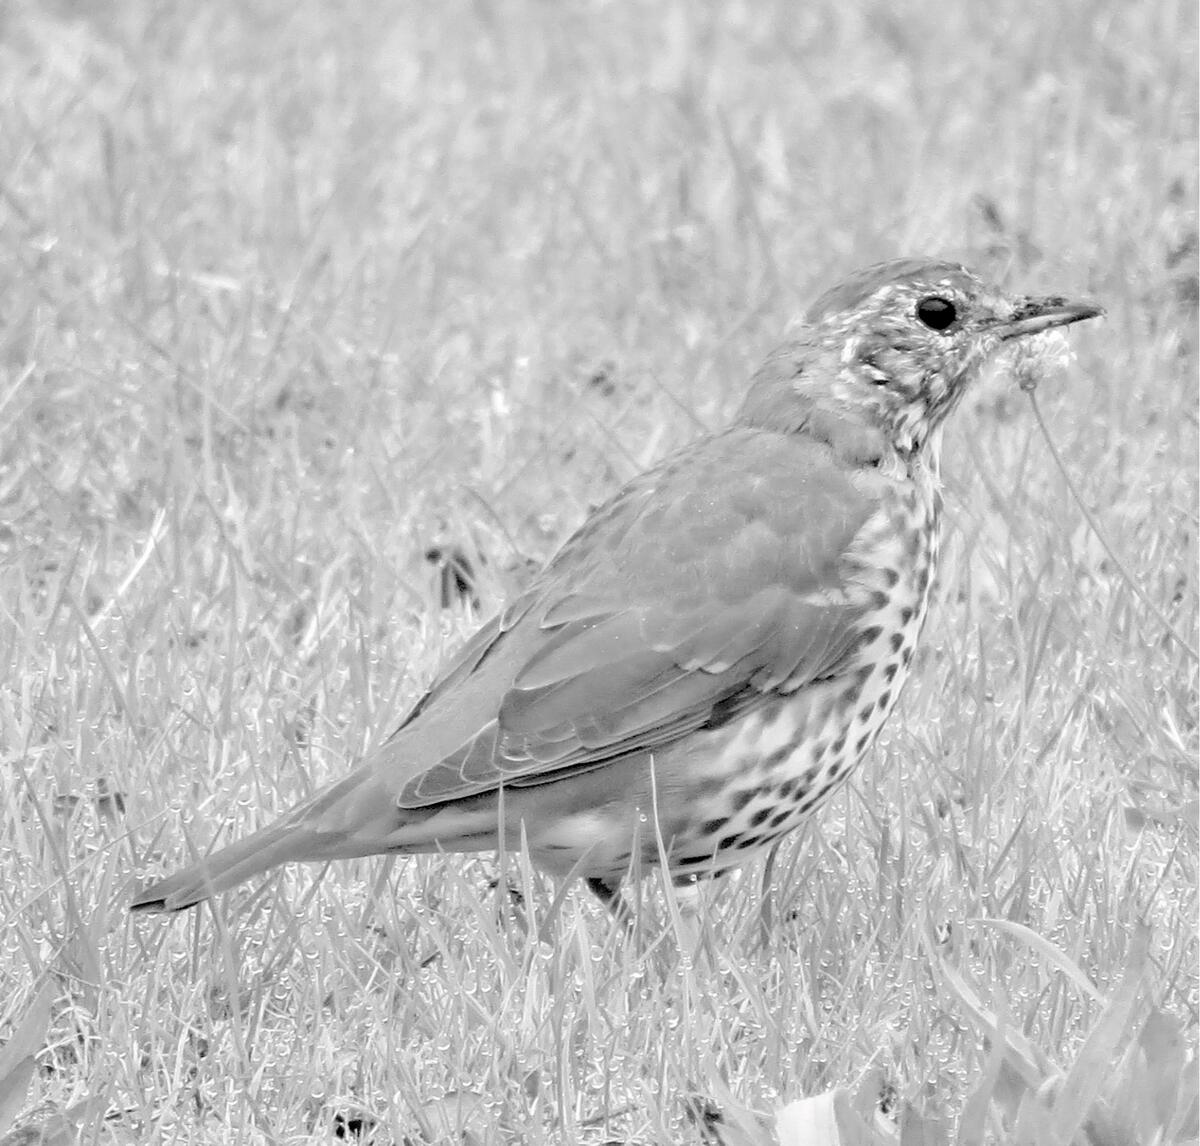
[[715, 579]]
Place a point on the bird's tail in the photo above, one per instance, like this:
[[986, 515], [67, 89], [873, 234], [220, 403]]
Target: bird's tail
[[347, 820], [240, 861]]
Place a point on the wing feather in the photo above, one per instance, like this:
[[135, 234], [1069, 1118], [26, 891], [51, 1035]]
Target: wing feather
[[694, 590]]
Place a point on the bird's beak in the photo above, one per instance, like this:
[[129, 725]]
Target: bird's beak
[[1033, 315]]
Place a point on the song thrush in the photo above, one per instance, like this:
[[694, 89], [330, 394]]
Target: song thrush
[[717, 646]]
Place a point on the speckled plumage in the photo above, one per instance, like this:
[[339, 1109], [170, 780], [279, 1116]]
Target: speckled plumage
[[715, 648]]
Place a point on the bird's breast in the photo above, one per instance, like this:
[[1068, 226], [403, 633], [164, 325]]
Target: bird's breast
[[784, 758], [895, 560]]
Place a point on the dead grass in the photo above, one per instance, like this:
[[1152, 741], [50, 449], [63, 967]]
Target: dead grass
[[291, 293]]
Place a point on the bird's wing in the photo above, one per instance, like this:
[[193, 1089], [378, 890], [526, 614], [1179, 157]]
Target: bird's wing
[[722, 575]]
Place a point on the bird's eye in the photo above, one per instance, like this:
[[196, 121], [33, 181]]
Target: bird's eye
[[936, 312]]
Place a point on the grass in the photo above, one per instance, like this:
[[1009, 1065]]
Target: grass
[[290, 294]]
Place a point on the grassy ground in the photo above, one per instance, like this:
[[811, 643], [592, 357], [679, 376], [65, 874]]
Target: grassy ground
[[291, 293]]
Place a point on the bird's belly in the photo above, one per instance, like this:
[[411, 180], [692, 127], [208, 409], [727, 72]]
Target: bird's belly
[[787, 757], [782, 768], [713, 804]]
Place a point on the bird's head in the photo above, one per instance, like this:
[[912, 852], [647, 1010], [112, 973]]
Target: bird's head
[[896, 345]]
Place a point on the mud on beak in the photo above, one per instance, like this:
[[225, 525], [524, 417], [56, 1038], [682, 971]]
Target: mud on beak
[[1033, 315]]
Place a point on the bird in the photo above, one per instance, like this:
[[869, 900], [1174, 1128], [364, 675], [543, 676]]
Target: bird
[[716, 647]]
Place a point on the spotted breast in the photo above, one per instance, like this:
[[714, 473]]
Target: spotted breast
[[786, 756]]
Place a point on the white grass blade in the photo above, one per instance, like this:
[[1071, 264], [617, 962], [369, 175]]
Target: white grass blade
[[16, 1058], [972, 1124], [1021, 1055], [917, 1130], [824, 1120], [453, 1118], [1046, 949], [1088, 1075]]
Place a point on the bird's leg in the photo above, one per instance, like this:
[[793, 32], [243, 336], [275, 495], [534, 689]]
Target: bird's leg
[[765, 914], [610, 895], [510, 902], [688, 900]]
